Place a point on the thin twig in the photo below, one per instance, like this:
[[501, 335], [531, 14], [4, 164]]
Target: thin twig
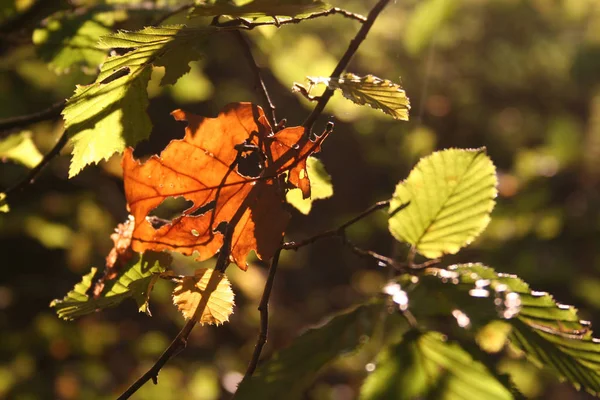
[[6, 125], [338, 231], [344, 61], [263, 308], [245, 24], [180, 341], [30, 177], [257, 74]]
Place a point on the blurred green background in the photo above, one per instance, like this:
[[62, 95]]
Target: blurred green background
[[521, 77]]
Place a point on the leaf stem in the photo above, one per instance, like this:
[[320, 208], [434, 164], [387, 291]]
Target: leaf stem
[[344, 61]]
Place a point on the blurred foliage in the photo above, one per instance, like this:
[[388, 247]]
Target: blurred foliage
[[517, 76]]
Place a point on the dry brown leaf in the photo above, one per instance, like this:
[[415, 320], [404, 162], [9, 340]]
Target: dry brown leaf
[[198, 168], [189, 294]]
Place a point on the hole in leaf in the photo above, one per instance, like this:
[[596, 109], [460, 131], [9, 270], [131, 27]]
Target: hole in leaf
[[171, 208], [251, 164], [204, 209]]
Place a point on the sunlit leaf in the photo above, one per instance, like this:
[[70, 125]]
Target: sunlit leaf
[[190, 295], [549, 333], [133, 281], [199, 169], [291, 370], [107, 116], [261, 8], [320, 186], [20, 148], [380, 94], [428, 366], [451, 195]]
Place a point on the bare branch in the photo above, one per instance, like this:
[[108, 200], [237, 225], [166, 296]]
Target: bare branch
[[30, 177], [263, 308], [6, 125], [245, 24], [340, 231], [258, 76], [345, 60]]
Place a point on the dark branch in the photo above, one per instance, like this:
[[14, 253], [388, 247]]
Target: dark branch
[[171, 13], [258, 76], [263, 308], [245, 24], [340, 231], [38, 168], [344, 61], [17, 122]]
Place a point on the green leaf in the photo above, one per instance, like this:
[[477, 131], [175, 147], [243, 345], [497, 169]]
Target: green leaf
[[109, 115], [134, 280], [451, 195], [380, 94], [20, 148], [71, 38], [291, 370], [426, 365], [261, 8], [550, 334], [320, 186]]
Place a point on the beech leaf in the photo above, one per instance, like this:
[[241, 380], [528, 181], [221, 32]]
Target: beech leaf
[[451, 195], [133, 280], [108, 115], [428, 366], [202, 168], [380, 94], [190, 295]]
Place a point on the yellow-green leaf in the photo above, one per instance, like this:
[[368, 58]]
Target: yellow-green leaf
[[190, 297], [109, 115], [20, 148], [134, 280], [261, 8], [451, 195], [320, 186], [3, 204], [380, 94]]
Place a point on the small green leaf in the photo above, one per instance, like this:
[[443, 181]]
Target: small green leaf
[[71, 38], [380, 94], [451, 195], [426, 365], [261, 8], [20, 148], [320, 186], [134, 280], [109, 115], [291, 370]]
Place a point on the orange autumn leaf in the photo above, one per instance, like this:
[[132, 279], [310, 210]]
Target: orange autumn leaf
[[199, 169]]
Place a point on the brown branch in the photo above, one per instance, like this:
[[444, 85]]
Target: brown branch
[[171, 13], [340, 231], [263, 308], [17, 122], [258, 75], [345, 60], [30, 177], [245, 24]]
